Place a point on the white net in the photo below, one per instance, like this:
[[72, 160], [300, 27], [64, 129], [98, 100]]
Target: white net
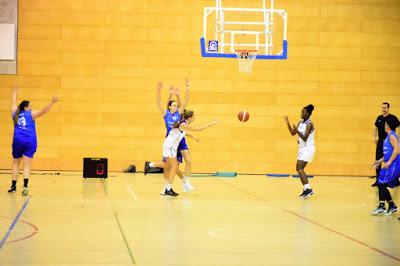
[[246, 60]]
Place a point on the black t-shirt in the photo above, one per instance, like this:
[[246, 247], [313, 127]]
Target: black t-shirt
[[380, 124]]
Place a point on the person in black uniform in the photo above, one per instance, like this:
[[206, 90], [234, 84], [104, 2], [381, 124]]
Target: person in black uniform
[[380, 133]]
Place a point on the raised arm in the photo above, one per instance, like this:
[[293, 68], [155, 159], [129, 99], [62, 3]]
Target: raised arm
[[158, 99], [309, 129], [187, 96], [198, 128], [293, 130], [14, 106], [37, 114]]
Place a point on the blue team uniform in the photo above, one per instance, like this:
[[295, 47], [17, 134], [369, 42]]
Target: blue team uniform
[[24, 140], [169, 120], [391, 175]]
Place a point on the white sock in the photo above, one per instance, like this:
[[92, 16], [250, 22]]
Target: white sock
[[168, 186], [151, 164], [307, 186], [185, 179]]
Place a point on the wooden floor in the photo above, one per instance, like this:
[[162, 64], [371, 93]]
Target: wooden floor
[[247, 220]]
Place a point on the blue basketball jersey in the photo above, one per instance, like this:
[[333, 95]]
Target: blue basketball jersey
[[25, 127], [390, 176], [387, 147], [170, 119]]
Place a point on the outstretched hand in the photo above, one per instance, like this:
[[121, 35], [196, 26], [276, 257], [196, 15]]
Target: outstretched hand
[[376, 164], [159, 85], [54, 99], [187, 83], [286, 119], [171, 90]]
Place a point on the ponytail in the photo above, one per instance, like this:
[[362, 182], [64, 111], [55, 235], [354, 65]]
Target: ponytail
[[21, 108], [185, 115]]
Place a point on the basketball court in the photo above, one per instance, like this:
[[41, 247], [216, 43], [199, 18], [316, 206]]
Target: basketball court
[[247, 220]]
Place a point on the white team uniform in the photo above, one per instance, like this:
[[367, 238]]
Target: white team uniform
[[306, 148], [171, 142]]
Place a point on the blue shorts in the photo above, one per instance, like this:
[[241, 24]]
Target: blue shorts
[[20, 148], [181, 147], [391, 175]]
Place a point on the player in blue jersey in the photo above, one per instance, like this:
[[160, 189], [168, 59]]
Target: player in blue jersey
[[390, 173], [24, 141], [172, 115]]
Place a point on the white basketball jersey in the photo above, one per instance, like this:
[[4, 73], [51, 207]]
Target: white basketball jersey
[[174, 137], [302, 129]]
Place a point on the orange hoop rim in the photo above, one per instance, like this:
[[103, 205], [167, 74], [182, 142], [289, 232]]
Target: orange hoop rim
[[244, 51]]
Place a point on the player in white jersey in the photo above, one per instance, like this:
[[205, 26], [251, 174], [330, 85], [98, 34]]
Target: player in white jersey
[[170, 147], [305, 132]]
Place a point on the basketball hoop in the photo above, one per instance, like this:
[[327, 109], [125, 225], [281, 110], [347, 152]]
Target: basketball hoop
[[246, 60]]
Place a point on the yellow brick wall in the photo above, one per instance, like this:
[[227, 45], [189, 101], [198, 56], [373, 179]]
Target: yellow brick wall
[[104, 57]]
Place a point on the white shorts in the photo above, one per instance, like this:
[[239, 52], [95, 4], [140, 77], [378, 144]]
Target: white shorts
[[306, 153], [169, 152]]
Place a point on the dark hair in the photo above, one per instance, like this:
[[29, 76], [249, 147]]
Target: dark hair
[[170, 103], [392, 123], [309, 108], [185, 115], [388, 105], [21, 108]]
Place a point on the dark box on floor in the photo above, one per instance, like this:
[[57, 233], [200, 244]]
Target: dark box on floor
[[95, 167]]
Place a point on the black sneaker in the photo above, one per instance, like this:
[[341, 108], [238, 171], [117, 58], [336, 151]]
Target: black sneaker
[[12, 189], [302, 194], [392, 209], [146, 167], [380, 209], [171, 192], [307, 193]]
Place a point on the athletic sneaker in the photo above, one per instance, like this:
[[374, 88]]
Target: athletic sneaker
[[380, 209], [171, 192], [392, 209], [25, 191], [12, 189], [187, 187], [146, 167], [306, 193]]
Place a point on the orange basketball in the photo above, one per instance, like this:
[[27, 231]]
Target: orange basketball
[[243, 116]]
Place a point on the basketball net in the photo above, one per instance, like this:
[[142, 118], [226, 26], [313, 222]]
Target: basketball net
[[246, 60]]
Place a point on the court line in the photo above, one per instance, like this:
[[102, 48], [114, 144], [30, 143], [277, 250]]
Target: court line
[[318, 224], [34, 232], [343, 235], [14, 222], [130, 190], [119, 226], [124, 237]]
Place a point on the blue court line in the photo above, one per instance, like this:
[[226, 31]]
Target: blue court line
[[14, 222]]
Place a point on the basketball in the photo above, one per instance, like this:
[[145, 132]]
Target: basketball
[[243, 116]]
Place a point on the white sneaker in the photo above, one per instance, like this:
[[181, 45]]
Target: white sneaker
[[25, 191], [187, 187]]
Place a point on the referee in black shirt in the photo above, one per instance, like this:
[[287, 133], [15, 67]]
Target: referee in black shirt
[[380, 134]]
